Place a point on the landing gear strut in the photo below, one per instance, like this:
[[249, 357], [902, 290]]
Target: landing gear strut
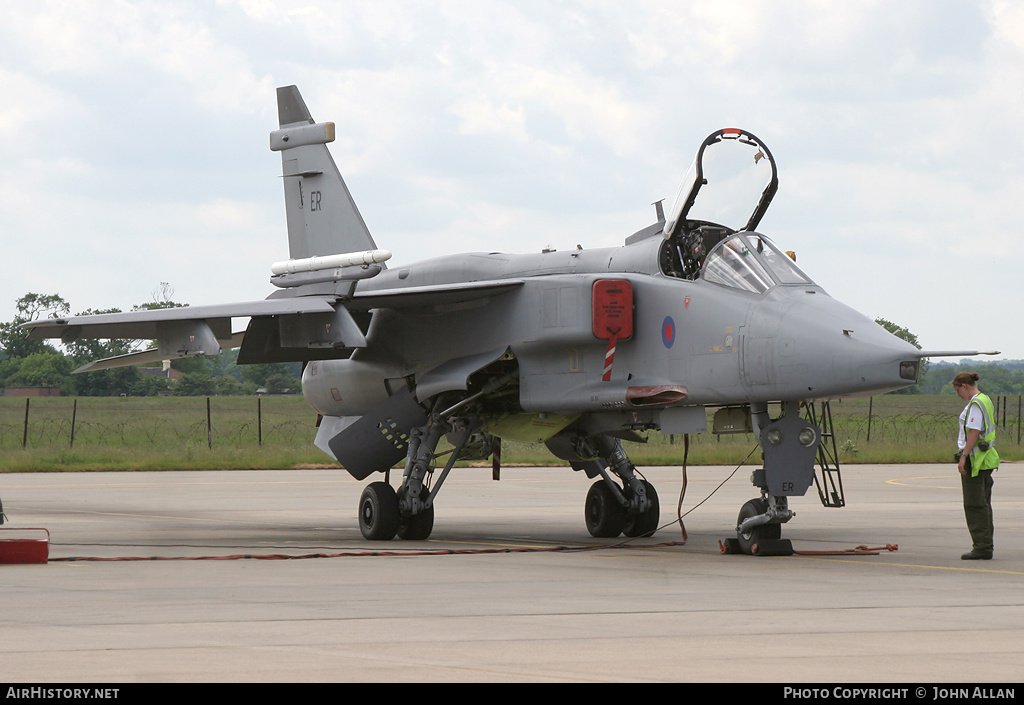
[[415, 527], [610, 510], [644, 523], [789, 444], [409, 512]]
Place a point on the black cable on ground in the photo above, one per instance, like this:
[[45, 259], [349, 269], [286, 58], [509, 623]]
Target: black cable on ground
[[362, 554]]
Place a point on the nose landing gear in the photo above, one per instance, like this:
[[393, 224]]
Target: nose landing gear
[[759, 528], [790, 444]]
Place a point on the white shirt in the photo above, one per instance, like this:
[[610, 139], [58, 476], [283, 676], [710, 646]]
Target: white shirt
[[974, 422]]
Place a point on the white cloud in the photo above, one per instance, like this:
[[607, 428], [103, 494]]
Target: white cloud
[[507, 125], [478, 115]]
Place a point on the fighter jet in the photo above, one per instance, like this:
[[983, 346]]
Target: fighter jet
[[577, 349]]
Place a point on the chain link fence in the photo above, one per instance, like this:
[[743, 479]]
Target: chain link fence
[[155, 423]]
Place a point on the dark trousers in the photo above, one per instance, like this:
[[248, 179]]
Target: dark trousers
[[978, 509]]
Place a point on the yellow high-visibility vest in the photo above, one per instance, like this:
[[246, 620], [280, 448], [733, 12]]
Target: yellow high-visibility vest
[[987, 459]]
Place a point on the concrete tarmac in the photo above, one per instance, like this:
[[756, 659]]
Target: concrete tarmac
[[653, 610]]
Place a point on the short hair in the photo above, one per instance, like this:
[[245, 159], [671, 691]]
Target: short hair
[[966, 378]]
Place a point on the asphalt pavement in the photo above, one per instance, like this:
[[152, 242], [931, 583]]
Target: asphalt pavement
[[263, 576]]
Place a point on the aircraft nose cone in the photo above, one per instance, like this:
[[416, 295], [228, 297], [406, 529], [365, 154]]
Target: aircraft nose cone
[[819, 347], [864, 356]]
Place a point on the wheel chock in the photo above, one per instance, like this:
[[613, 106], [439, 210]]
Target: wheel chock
[[24, 550], [764, 547], [729, 546], [773, 547]]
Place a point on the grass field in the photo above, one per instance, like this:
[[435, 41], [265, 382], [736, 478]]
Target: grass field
[[172, 434]]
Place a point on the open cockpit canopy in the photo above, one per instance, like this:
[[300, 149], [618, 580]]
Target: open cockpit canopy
[[727, 190], [731, 182]]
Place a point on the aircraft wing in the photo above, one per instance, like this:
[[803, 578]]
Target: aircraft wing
[[144, 357], [141, 325], [294, 328], [307, 338], [189, 330], [419, 296]]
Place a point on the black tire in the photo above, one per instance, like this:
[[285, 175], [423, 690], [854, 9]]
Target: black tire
[[759, 533], [416, 527], [645, 523], [605, 516], [378, 512]]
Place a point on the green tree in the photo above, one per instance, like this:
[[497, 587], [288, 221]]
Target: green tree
[[282, 384], [899, 331], [195, 384], [14, 340], [17, 348], [162, 297], [148, 385], [994, 378], [194, 364], [228, 386], [102, 383], [8, 367], [43, 369], [225, 365], [259, 373], [904, 334]]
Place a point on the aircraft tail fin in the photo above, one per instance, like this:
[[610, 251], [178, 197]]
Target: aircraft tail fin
[[322, 217]]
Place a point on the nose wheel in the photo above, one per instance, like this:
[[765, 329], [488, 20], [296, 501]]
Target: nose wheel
[[751, 537]]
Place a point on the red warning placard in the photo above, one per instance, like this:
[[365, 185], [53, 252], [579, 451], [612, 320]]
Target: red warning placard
[[613, 309]]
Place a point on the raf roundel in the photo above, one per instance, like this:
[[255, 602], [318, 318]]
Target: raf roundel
[[668, 332]]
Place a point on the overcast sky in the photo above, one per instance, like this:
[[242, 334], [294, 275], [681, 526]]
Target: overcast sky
[[135, 138]]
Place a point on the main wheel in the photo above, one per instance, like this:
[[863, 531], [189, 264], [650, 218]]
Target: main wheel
[[416, 527], [645, 523], [378, 512], [751, 538], [605, 516]]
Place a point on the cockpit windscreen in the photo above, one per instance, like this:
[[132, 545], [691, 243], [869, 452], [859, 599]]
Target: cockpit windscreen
[[751, 263], [779, 263]]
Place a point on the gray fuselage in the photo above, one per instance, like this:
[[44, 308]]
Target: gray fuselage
[[722, 344]]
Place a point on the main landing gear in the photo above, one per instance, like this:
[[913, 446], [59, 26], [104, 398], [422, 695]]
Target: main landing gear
[[632, 509], [381, 517], [409, 511]]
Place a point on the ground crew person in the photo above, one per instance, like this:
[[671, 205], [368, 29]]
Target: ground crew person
[[977, 460]]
